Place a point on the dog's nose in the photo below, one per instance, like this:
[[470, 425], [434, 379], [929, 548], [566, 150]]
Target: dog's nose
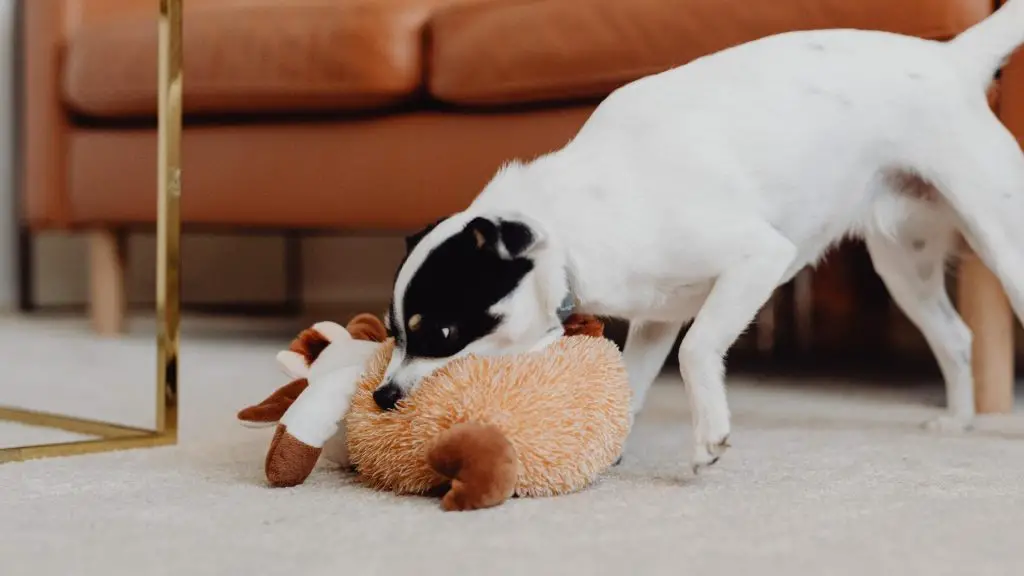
[[387, 396]]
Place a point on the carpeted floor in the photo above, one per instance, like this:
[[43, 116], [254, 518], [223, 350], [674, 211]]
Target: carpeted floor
[[824, 478]]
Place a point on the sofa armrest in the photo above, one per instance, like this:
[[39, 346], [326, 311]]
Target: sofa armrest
[[44, 124], [46, 26]]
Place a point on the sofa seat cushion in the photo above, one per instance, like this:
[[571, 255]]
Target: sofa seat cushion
[[245, 56], [528, 51], [392, 173]]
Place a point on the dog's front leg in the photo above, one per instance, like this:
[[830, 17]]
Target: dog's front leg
[[644, 352], [752, 265]]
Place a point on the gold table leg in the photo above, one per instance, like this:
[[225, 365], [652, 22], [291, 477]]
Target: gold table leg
[[168, 284], [168, 309]]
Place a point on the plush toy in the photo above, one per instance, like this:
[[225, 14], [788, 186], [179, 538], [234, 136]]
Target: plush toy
[[479, 430]]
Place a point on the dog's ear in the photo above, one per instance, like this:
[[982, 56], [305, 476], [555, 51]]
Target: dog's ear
[[511, 237], [413, 239]]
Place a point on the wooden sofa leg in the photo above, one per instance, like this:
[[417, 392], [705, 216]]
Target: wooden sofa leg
[[107, 303], [986, 311]]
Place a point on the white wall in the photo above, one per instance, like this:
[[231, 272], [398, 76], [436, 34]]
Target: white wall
[[8, 246]]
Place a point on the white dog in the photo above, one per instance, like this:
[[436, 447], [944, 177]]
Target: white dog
[[690, 195]]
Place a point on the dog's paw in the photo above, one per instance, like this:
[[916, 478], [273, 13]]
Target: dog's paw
[[707, 453], [710, 438], [948, 424]]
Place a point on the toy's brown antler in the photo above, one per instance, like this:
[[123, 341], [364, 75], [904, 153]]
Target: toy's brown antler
[[367, 327]]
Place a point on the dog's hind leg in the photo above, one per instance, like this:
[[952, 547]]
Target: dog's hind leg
[[911, 263], [981, 176]]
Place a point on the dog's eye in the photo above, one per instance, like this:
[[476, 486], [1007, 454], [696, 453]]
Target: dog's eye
[[449, 332], [414, 322]]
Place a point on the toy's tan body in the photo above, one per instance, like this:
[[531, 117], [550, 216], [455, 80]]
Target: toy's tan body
[[564, 412], [483, 429]]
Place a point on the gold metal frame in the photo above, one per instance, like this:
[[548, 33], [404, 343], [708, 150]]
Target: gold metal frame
[[168, 307]]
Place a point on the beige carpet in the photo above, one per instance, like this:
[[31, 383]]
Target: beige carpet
[[823, 479]]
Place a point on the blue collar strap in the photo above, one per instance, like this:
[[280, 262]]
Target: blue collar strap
[[567, 307]]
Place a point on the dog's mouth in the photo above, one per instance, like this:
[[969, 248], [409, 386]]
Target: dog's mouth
[[387, 396], [404, 377]]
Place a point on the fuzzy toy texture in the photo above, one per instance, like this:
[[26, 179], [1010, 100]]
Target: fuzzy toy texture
[[536, 424]]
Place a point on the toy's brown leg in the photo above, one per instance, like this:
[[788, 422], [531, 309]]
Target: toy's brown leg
[[289, 461], [480, 462], [273, 408]]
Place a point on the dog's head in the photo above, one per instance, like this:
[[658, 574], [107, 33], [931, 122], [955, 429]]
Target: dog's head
[[469, 284]]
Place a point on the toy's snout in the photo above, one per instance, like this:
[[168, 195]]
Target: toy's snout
[[387, 395]]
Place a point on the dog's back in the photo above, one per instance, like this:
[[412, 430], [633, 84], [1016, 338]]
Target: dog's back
[[805, 130]]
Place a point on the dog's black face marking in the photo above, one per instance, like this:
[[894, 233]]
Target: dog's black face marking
[[447, 302], [410, 242], [515, 236]]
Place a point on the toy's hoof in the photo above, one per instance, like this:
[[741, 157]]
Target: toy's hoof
[[480, 462], [289, 461]]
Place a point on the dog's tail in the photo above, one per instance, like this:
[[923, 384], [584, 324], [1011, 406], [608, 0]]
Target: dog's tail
[[986, 46]]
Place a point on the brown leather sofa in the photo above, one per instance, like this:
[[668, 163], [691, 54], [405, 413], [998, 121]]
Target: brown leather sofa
[[365, 115]]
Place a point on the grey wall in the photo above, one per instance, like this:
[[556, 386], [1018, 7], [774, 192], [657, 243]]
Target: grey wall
[[226, 268], [8, 277]]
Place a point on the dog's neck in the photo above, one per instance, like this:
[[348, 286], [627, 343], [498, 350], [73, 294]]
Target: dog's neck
[[568, 305], [564, 310]]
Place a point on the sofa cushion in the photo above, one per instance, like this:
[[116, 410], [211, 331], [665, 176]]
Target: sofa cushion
[[392, 173], [522, 51], [243, 56]]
